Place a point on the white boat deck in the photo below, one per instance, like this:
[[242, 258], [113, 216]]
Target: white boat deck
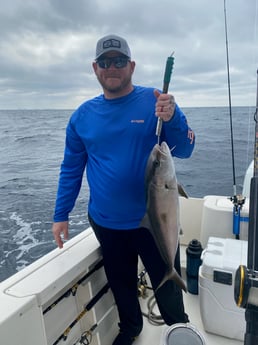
[[152, 334]]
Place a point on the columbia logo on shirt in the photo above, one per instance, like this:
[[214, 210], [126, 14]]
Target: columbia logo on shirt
[[137, 121]]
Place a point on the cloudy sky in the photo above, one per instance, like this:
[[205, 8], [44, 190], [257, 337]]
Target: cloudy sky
[[47, 47]]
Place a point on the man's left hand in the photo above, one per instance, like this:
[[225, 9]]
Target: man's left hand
[[165, 105]]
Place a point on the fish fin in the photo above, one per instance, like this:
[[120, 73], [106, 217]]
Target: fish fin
[[182, 191], [179, 280], [175, 277], [145, 222]]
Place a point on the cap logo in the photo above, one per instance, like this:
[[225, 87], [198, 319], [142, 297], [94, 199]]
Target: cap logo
[[111, 43]]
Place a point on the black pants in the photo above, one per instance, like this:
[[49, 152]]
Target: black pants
[[120, 250]]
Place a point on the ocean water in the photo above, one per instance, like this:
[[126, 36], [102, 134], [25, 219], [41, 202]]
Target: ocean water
[[31, 150]]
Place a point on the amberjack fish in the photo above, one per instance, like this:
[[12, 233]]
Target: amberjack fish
[[162, 210]]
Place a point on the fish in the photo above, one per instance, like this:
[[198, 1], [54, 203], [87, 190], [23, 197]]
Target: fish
[[162, 208]]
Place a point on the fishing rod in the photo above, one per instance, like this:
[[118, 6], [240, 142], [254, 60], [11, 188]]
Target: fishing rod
[[246, 279], [74, 288], [166, 81], [238, 200], [86, 336], [86, 308]]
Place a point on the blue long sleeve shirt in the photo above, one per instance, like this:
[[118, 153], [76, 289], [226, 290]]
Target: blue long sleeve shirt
[[113, 138]]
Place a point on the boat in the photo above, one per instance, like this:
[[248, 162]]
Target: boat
[[64, 298]]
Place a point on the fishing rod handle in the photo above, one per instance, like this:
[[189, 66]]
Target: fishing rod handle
[[166, 81], [168, 73]]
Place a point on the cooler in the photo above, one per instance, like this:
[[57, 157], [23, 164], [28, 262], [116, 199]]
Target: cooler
[[219, 312], [217, 219]]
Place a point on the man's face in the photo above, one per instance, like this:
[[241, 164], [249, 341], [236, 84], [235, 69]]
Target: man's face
[[116, 78]]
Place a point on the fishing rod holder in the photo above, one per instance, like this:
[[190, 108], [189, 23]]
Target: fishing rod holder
[[238, 202]]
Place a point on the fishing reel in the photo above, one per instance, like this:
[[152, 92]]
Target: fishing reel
[[238, 200], [246, 296], [246, 287], [142, 284]]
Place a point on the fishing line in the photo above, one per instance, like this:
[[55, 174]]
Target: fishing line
[[253, 63], [230, 107]]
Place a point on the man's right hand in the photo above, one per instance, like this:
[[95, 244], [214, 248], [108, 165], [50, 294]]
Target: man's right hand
[[58, 229]]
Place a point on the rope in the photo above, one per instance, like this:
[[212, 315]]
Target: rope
[[153, 318]]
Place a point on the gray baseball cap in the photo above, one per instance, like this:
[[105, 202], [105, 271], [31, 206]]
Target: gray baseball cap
[[112, 42]]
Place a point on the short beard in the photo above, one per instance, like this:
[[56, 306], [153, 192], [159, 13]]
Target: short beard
[[117, 89]]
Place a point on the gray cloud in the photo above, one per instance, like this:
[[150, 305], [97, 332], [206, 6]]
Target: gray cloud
[[46, 49]]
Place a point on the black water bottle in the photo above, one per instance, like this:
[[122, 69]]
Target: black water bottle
[[193, 262]]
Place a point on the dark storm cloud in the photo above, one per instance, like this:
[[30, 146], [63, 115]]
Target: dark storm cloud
[[46, 49]]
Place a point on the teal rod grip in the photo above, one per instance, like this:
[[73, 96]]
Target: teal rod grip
[[166, 81], [168, 72]]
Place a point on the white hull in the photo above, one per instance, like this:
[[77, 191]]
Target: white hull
[[25, 298]]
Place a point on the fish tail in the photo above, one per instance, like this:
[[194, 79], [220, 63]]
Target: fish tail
[[178, 280], [173, 275]]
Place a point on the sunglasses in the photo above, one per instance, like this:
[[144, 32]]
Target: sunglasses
[[117, 61]]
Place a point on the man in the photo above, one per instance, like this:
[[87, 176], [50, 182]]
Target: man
[[112, 136]]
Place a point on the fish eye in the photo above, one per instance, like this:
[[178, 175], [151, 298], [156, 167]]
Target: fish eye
[[156, 163]]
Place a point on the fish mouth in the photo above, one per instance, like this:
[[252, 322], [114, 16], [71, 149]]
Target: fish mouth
[[163, 148]]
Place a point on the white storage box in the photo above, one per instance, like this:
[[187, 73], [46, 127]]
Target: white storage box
[[217, 219], [219, 312]]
